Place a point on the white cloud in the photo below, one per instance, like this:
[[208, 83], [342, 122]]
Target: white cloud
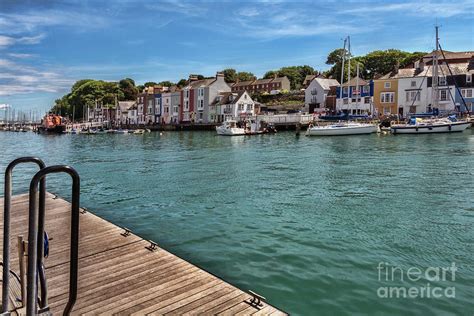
[[31, 21], [6, 41], [248, 12], [21, 55], [16, 78], [416, 8]]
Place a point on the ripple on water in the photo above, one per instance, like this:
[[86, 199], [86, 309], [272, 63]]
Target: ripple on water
[[303, 221]]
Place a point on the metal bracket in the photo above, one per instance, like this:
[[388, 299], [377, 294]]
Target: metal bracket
[[256, 300], [153, 246], [126, 232]]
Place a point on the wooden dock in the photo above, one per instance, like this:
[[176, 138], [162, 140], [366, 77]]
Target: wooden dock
[[119, 274]]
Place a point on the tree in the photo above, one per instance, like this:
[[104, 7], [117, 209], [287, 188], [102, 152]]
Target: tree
[[128, 88], [150, 84], [245, 76], [336, 55], [230, 75], [166, 83], [270, 74], [182, 83]]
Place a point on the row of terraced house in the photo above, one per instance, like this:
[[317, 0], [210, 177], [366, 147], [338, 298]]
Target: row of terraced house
[[400, 92], [210, 100]]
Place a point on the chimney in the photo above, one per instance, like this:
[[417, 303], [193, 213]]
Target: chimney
[[220, 75], [397, 66], [275, 75], [192, 78], [471, 63]]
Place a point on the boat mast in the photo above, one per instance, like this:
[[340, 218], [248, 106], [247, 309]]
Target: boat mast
[[349, 72], [435, 93], [357, 87], [342, 71]]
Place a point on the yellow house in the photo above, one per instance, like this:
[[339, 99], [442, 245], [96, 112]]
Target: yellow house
[[386, 94]]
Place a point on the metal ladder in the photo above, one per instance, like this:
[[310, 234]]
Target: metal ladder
[[36, 221]]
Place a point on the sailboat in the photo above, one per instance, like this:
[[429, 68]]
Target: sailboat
[[417, 125], [347, 127]]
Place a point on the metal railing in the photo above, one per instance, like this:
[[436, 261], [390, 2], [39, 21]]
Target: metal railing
[[6, 222], [36, 223]]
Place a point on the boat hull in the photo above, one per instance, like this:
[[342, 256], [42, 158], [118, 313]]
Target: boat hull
[[430, 129], [58, 129], [341, 130], [230, 131]]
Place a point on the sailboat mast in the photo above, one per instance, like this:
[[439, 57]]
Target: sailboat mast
[[357, 87], [349, 72], [342, 69], [435, 93]]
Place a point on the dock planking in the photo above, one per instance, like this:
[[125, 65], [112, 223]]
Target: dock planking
[[118, 274]]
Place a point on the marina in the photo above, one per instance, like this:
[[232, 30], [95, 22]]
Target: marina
[[301, 202]]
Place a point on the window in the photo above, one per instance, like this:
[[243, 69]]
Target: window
[[200, 115], [442, 80], [346, 101], [387, 97], [241, 107], [469, 78], [201, 103], [245, 96], [186, 105], [466, 93], [365, 89], [387, 85], [186, 93], [344, 90], [200, 92], [367, 100], [413, 83], [443, 95], [412, 96]]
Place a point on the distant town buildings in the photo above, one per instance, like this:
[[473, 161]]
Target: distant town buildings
[[272, 86], [212, 100]]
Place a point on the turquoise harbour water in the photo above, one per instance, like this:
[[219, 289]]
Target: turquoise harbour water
[[303, 221]]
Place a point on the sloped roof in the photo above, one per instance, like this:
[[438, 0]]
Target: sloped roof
[[200, 83], [125, 105], [309, 77], [327, 83], [225, 97], [353, 82], [279, 79], [242, 83], [451, 55]]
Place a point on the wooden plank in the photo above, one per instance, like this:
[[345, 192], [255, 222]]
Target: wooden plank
[[117, 275]]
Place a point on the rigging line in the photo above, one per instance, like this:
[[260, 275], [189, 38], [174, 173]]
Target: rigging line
[[449, 90], [455, 85], [421, 84]]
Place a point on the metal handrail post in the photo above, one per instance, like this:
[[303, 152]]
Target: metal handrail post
[[35, 229], [6, 221]]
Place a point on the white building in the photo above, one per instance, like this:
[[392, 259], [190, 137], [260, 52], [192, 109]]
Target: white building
[[122, 111], [316, 92], [231, 105]]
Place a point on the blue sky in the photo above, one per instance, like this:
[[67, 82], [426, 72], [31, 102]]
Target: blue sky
[[46, 45]]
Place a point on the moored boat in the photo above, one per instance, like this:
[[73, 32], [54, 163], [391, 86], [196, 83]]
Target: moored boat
[[230, 128], [339, 129], [418, 126], [52, 124]]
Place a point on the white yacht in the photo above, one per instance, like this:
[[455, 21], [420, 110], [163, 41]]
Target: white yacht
[[344, 128], [229, 128], [418, 126]]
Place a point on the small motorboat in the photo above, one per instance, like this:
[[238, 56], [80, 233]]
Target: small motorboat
[[121, 131], [343, 128], [139, 131], [230, 128]]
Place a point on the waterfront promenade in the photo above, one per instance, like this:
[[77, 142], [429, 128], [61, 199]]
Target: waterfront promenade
[[122, 273]]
